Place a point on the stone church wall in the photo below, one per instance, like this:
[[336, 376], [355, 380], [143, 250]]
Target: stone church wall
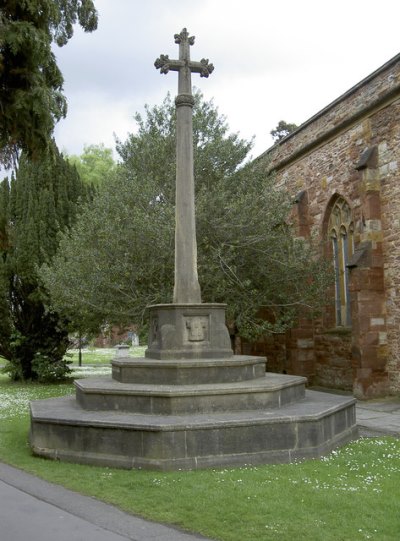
[[350, 149]]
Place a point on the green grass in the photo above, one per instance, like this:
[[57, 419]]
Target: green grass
[[352, 494], [95, 356]]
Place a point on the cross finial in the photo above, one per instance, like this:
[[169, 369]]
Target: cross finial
[[184, 35], [165, 64]]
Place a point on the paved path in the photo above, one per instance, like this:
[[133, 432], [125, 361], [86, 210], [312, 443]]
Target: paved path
[[33, 509], [375, 417]]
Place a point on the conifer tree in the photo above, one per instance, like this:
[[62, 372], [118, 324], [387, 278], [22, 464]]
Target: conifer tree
[[40, 202], [31, 84]]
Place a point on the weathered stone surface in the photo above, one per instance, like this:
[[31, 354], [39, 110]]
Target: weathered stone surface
[[307, 429], [188, 331], [269, 391], [186, 286], [187, 371]]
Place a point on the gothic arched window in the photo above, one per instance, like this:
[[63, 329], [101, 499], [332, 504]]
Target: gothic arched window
[[341, 233]]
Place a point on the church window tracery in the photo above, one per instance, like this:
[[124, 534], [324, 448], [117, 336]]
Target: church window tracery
[[341, 234]]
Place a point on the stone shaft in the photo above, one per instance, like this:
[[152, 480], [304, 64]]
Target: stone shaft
[[186, 287]]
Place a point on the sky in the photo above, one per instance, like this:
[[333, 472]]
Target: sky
[[274, 60]]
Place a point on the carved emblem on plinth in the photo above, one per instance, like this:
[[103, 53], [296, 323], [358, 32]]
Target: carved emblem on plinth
[[197, 328]]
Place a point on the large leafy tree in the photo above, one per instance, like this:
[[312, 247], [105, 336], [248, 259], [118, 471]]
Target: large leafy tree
[[282, 130], [95, 165], [119, 256], [39, 203], [31, 98]]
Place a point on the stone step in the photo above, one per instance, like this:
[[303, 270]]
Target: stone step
[[60, 429], [269, 391], [187, 371]]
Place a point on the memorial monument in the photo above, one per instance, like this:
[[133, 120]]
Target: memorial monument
[[187, 328], [190, 403]]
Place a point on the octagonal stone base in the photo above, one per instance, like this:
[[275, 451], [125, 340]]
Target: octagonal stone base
[[274, 391], [251, 417], [190, 404], [187, 371], [62, 430]]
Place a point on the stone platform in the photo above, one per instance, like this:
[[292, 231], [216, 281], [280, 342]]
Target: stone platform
[[189, 414]]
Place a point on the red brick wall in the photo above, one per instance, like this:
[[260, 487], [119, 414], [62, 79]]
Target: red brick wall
[[323, 159]]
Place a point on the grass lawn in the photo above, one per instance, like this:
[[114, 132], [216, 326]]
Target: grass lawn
[[95, 356], [352, 494]]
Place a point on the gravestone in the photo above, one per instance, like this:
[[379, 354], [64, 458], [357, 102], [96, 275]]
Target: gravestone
[[190, 403]]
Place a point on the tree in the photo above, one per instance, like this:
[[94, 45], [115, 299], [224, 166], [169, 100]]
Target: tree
[[119, 256], [39, 203], [31, 98], [282, 130], [95, 165]]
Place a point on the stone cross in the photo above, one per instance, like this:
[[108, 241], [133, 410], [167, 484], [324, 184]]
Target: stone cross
[[186, 288]]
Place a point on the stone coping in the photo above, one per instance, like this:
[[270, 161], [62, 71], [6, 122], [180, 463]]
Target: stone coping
[[188, 371], [109, 386], [65, 411], [234, 360]]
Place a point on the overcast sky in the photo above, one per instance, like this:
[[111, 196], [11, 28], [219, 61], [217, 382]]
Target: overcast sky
[[274, 60]]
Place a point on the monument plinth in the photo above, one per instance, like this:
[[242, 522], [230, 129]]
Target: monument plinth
[[190, 403], [188, 331]]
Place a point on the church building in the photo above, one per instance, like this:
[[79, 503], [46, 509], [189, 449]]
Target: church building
[[343, 168]]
